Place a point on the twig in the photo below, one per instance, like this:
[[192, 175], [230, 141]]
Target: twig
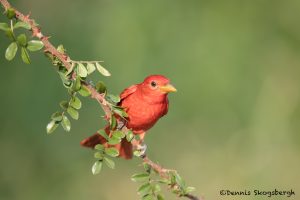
[[65, 59]]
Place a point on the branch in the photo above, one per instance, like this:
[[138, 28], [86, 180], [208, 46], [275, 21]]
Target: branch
[[66, 61], [64, 58]]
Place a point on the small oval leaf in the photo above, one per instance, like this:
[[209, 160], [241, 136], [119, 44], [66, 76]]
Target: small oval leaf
[[129, 136], [66, 124], [113, 152], [144, 189], [75, 102], [99, 147], [90, 68], [11, 51], [102, 70], [103, 134], [160, 197], [22, 39], [97, 166], [98, 155], [110, 163], [51, 126], [25, 55], [64, 104], [73, 113], [118, 134], [114, 140], [57, 116], [4, 27], [81, 70], [100, 87], [20, 24], [140, 177], [84, 91], [34, 45]]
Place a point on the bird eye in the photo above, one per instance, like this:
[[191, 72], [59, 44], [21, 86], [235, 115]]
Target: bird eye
[[153, 84]]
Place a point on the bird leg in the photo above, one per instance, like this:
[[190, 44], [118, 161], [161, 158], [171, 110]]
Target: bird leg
[[139, 146]]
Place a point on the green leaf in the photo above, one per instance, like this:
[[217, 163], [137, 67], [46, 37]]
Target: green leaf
[[179, 180], [110, 163], [22, 39], [156, 188], [189, 189], [129, 136], [61, 49], [103, 134], [64, 104], [97, 166], [51, 126], [113, 152], [10, 13], [164, 181], [147, 167], [98, 155], [34, 45], [4, 27], [81, 70], [84, 91], [77, 84], [140, 177], [160, 197], [75, 102], [11, 51], [113, 122], [113, 98], [20, 24], [114, 140], [57, 116], [100, 87], [99, 147], [73, 113], [144, 189], [90, 68], [10, 34], [120, 112], [66, 124], [148, 197], [102, 70], [70, 70], [25, 55], [118, 134]]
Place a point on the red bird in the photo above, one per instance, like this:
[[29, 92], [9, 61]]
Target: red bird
[[144, 104]]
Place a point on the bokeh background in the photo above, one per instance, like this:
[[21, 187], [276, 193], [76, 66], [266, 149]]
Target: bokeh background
[[233, 124]]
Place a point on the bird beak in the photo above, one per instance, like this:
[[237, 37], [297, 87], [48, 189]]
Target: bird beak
[[167, 88]]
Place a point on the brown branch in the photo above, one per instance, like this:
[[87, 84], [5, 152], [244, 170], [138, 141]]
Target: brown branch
[[65, 59], [164, 173]]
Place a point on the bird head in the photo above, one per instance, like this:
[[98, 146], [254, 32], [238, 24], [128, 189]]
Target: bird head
[[157, 85]]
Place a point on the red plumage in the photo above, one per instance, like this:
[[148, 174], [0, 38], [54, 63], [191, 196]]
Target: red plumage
[[144, 103]]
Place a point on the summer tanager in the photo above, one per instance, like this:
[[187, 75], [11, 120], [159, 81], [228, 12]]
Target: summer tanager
[[144, 104]]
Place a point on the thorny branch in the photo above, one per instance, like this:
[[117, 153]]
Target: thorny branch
[[65, 59]]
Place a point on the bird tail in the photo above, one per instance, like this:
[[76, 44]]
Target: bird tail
[[125, 147]]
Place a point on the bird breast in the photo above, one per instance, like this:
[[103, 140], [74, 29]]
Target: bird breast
[[142, 115]]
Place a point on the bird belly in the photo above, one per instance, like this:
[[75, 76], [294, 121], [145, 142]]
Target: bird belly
[[143, 116]]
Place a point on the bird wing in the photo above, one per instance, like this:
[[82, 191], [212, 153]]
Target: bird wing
[[128, 91]]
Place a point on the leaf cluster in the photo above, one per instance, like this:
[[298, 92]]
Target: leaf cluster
[[19, 41]]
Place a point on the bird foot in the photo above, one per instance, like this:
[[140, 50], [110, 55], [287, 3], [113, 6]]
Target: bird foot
[[140, 150]]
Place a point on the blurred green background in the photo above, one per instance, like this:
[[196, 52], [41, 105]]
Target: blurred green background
[[233, 124]]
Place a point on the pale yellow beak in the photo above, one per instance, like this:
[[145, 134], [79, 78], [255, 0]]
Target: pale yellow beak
[[167, 88]]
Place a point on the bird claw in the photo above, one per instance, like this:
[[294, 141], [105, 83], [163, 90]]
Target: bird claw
[[141, 150]]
